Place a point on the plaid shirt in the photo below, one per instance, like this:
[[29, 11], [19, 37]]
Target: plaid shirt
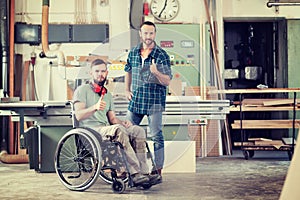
[[148, 93]]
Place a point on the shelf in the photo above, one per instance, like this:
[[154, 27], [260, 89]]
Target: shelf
[[265, 124], [262, 108], [276, 104], [254, 91], [258, 105]]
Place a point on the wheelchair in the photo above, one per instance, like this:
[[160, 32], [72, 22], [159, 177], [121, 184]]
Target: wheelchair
[[82, 156]]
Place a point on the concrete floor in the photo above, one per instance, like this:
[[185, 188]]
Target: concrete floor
[[218, 178]]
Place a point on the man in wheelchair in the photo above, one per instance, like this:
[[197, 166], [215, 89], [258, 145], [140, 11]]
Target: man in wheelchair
[[94, 108]]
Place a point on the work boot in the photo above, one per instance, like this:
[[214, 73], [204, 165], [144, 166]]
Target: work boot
[[139, 179], [156, 171], [154, 179]]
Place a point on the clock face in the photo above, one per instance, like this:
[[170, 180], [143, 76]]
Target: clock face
[[164, 10]]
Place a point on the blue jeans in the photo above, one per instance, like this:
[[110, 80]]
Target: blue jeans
[[156, 135]]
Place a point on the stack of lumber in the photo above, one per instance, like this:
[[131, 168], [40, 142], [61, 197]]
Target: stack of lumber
[[266, 142], [265, 124], [269, 102], [266, 105]]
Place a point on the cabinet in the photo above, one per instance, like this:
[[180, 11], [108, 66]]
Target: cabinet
[[249, 145]]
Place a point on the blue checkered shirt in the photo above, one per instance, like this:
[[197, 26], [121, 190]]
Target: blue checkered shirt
[[148, 93]]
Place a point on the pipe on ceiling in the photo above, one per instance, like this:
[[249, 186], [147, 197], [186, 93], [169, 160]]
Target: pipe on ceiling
[[270, 4], [45, 40]]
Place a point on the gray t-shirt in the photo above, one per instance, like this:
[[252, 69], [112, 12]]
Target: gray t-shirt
[[85, 93]]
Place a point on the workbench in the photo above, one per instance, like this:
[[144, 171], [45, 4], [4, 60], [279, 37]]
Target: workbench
[[53, 118], [49, 112], [268, 105], [32, 111]]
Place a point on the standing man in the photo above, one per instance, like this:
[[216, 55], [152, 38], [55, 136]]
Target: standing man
[[148, 73]]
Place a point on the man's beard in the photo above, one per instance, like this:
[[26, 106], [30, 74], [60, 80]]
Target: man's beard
[[148, 42], [100, 83]]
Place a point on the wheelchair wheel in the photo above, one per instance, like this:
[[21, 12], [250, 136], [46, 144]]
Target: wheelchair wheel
[[118, 186], [78, 159]]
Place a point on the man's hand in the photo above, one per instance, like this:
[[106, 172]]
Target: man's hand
[[100, 105], [126, 123], [153, 68], [128, 95], [164, 79]]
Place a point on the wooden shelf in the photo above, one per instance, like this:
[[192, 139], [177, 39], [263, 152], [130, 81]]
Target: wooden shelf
[[266, 105], [254, 91], [265, 124], [257, 105], [262, 108]]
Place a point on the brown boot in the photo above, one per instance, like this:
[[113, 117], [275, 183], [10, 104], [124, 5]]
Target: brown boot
[[156, 171]]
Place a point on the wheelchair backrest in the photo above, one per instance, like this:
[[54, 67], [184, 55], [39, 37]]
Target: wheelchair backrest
[[75, 122]]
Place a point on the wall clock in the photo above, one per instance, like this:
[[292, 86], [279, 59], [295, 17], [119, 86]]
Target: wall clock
[[164, 10]]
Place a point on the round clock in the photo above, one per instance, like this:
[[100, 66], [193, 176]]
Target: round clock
[[164, 10]]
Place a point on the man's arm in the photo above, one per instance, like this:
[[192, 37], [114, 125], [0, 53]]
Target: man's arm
[[128, 79], [81, 112], [164, 79], [113, 119]]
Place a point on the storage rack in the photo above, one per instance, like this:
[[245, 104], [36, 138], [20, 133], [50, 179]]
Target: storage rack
[[248, 148]]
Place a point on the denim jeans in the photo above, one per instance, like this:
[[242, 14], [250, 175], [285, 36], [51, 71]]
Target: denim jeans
[[156, 135]]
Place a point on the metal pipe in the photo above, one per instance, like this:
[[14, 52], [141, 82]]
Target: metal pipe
[[11, 69], [13, 159], [52, 13], [45, 42], [4, 53], [270, 4], [4, 156], [3, 44]]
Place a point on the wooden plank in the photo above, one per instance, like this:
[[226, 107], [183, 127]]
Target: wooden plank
[[265, 124], [24, 80], [268, 102], [269, 143], [253, 91], [259, 139], [279, 102], [262, 108], [244, 144], [271, 121]]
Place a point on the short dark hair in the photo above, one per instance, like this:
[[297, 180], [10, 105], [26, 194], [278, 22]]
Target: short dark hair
[[97, 62], [149, 24]]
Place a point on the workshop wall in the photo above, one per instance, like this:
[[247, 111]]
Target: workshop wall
[[294, 52], [49, 80], [116, 14], [257, 8]]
